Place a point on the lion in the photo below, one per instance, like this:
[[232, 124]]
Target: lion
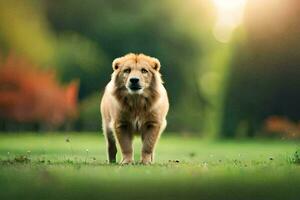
[[134, 102]]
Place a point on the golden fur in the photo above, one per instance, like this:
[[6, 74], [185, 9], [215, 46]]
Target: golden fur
[[126, 112]]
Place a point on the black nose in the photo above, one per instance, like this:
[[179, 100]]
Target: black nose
[[134, 80]]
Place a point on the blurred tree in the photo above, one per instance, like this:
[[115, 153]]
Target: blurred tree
[[77, 57], [265, 69], [90, 119]]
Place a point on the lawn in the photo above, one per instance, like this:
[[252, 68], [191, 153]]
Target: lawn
[[73, 166]]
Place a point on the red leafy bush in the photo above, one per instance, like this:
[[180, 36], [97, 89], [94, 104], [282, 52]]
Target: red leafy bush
[[282, 126], [29, 94]]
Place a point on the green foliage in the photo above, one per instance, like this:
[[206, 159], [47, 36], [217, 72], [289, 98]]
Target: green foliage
[[161, 29], [90, 118], [24, 30], [217, 89], [81, 38], [79, 58]]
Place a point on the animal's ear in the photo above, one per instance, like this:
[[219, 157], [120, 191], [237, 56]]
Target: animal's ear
[[116, 63], [156, 64]]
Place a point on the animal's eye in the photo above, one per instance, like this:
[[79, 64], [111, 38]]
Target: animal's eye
[[128, 70], [144, 71]]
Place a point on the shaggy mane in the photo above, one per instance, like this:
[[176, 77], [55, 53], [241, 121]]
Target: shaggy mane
[[137, 102]]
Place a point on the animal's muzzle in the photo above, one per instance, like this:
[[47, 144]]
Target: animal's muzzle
[[135, 84]]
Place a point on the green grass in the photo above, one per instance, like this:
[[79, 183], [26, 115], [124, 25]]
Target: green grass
[[45, 166]]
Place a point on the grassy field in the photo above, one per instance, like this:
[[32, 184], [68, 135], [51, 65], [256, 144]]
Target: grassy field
[[73, 166]]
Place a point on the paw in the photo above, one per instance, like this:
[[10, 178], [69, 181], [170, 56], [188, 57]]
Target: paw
[[146, 159], [126, 161]]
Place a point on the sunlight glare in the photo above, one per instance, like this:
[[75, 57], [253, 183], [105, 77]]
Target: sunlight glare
[[229, 16]]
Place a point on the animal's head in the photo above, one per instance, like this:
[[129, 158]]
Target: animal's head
[[135, 72]]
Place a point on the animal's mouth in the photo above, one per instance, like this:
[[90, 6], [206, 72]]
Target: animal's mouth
[[135, 87]]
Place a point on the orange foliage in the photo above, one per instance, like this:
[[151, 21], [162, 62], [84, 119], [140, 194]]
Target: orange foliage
[[282, 126], [29, 94]]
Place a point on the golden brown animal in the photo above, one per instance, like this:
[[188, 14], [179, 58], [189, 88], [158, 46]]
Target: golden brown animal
[[134, 101]]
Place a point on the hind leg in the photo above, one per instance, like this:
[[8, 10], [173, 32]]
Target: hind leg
[[111, 146]]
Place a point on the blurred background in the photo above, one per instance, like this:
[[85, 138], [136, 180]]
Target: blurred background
[[231, 67]]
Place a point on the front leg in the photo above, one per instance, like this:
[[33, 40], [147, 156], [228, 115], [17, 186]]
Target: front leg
[[150, 134], [125, 136]]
